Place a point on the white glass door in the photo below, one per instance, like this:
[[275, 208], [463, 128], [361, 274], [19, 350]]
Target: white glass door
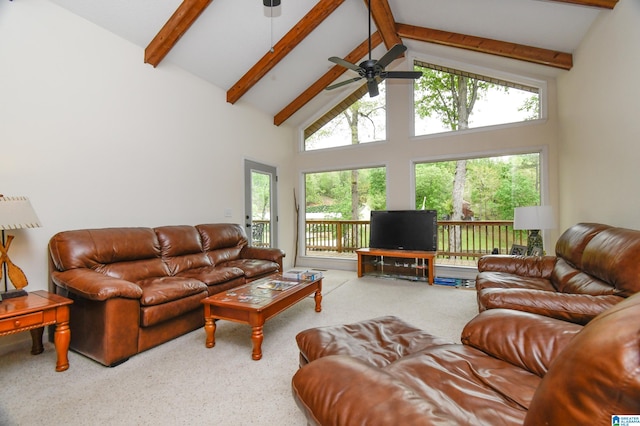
[[261, 218]]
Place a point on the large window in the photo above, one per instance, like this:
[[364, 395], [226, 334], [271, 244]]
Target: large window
[[475, 199], [338, 206], [447, 99], [357, 119], [479, 188]]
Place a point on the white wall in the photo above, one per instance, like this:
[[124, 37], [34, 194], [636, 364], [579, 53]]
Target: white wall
[[96, 138], [600, 126]]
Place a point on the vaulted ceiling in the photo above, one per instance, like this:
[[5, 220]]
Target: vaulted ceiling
[[278, 63]]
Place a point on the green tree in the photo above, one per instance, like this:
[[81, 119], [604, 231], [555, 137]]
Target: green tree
[[532, 106], [434, 186], [261, 195]]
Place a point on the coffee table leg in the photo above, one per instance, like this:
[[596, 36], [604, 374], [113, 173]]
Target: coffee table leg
[[210, 330], [318, 297], [256, 338]]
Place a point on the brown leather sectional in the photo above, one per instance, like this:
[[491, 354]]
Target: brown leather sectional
[[135, 288], [595, 267], [512, 368]]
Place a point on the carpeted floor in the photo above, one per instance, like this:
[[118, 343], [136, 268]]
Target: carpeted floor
[[183, 382]]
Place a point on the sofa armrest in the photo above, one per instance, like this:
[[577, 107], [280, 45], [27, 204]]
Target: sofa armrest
[[523, 339], [338, 389], [577, 308], [263, 253], [524, 266], [94, 285]]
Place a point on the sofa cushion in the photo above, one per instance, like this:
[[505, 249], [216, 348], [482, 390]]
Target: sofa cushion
[[253, 267], [613, 256], [156, 291], [378, 341], [181, 248], [526, 340], [152, 315], [577, 308], [507, 280], [222, 241], [490, 388], [213, 275], [126, 253], [578, 282], [573, 241]]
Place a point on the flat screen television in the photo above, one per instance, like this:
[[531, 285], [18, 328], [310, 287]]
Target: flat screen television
[[404, 230]]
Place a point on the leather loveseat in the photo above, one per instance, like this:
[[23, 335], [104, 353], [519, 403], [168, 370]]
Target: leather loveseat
[[512, 368], [135, 288], [595, 267]]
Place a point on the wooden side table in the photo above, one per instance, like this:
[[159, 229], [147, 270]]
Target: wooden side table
[[33, 312]]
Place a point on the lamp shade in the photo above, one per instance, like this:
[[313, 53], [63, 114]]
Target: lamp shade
[[533, 217], [17, 213]]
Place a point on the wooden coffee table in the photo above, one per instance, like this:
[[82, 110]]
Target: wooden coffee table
[[253, 304]]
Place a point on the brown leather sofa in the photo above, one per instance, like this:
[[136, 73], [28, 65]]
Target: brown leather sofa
[[135, 288], [595, 267], [512, 368]]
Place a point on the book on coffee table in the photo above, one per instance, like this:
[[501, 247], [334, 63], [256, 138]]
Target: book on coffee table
[[277, 285], [294, 274]]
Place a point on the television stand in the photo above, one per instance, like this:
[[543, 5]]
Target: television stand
[[397, 263]]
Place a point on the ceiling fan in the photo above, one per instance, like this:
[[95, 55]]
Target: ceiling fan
[[372, 69]]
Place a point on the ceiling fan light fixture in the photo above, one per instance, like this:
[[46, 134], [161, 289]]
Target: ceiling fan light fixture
[[373, 70], [272, 8]]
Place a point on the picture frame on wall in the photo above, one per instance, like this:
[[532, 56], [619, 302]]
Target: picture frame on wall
[[517, 250]]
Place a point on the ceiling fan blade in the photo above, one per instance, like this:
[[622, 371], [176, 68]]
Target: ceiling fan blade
[[392, 54], [372, 85], [344, 63], [342, 83], [402, 74]]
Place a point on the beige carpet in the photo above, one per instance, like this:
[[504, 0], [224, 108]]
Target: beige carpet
[[183, 382]]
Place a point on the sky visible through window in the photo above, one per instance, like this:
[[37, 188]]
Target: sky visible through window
[[497, 107]]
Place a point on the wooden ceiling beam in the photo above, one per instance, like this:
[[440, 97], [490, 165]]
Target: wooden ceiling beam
[[521, 52], [385, 22], [606, 4], [176, 26], [303, 28], [329, 77]]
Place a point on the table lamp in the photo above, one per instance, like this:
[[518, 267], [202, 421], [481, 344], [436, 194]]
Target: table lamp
[[15, 213], [533, 219]]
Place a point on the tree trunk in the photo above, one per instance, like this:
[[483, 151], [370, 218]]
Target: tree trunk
[[464, 108], [352, 119]]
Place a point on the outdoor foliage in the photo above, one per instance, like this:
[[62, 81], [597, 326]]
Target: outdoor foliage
[[330, 192], [261, 196], [494, 186]]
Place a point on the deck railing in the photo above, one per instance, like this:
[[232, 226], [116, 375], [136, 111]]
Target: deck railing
[[457, 240], [325, 238]]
